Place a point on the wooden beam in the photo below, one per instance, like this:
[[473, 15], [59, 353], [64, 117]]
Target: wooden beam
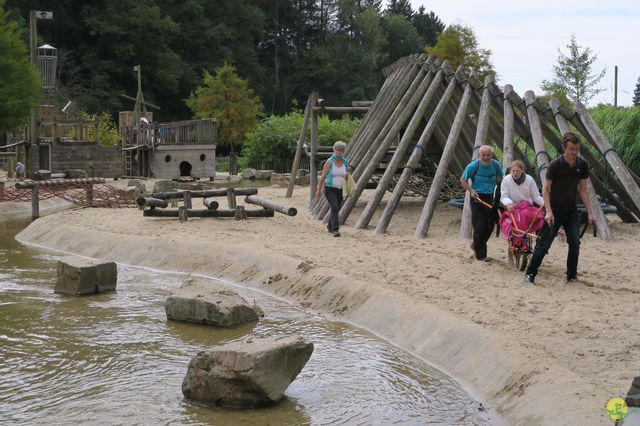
[[303, 134], [289, 211]]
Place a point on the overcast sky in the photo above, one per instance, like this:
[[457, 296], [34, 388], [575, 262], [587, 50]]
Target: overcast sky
[[525, 37]]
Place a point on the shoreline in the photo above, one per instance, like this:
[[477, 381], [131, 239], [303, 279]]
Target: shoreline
[[495, 367]]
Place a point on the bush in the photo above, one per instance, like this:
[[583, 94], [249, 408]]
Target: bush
[[276, 137], [622, 127]]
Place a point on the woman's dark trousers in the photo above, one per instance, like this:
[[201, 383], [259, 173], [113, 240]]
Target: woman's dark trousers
[[334, 198], [483, 221]]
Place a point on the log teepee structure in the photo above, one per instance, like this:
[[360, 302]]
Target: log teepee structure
[[428, 114]]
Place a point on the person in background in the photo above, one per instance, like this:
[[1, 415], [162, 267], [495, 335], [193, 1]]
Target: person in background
[[566, 178], [332, 179], [20, 171], [483, 174]]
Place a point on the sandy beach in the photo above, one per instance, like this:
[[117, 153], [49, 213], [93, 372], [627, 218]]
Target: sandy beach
[[549, 354]]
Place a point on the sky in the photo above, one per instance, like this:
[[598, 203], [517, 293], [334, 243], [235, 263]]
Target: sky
[[525, 37]]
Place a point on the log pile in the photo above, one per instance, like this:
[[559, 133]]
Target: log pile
[[156, 205]]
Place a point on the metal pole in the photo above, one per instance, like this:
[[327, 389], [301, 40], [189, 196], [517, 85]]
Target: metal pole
[[33, 121]]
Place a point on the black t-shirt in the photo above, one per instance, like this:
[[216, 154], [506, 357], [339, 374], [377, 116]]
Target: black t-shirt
[[565, 179]]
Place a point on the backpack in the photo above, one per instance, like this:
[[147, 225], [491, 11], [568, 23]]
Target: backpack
[[496, 166]]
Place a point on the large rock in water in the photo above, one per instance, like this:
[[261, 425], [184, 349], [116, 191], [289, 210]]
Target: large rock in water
[[249, 374], [208, 303], [78, 276]]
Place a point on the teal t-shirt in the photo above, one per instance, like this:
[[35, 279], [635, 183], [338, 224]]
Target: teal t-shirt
[[484, 180]]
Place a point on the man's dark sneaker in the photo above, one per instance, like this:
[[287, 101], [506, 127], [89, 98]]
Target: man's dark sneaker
[[529, 279], [572, 280], [337, 234], [484, 259]]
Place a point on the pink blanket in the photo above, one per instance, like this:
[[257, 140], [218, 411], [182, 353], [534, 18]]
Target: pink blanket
[[527, 218]]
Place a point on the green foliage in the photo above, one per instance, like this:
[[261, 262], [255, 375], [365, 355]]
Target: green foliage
[[573, 77], [636, 93], [428, 25], [227, 98], [400, 7], [20, 83], [622, 128], [402, 36], [276, 137], [458, 45]]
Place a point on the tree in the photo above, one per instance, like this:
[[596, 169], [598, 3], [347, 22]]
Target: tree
[[228, 99], [402, 36], [400, 7], [20, 84], [428, 25], [636, 93], [573, 76], [458, 45]]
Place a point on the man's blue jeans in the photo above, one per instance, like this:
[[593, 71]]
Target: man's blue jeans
[[569, 218]]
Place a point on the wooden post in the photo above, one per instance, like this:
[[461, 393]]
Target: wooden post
[[239, 213], [481, 139], [542, 156], [598, 214], [35, 203], [289, 211], [416, 156], [609, 154], [398, 156], [507, 147], [89, 194], [151, 202], [443, 165], [182, 214], [187, 200], [313, 169], [231, 198], [303, 134]]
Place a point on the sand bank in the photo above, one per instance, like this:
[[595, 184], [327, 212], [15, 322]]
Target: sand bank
[[551, 354]]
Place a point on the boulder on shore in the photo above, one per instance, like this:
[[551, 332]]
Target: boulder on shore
[[209, 303], [248, 374], [78, 276]]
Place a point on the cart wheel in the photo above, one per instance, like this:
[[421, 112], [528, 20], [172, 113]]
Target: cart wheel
[[517, 256], [524, 259], [510, 257]]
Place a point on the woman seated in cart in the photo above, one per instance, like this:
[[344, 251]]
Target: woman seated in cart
[[523, 215]]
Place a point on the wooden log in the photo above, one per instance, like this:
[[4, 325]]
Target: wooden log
[[480, 140], [398, 156], [415, 158], [313, 170], [610, 155], [441, 172], [341, 110], [507, 147], [210, 203], [542, 156], [183, 213], [207, 213], [408, 113], [598, 214], [303, 135], [239, 213], [289, 211], [231, 198], [151, 202], [204, 194], [28, 184], [35, 203], [187, 200]]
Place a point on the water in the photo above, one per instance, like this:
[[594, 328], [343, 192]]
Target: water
[[115, 359]]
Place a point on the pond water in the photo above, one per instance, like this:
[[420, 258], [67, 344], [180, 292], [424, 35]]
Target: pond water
[[115, 359]]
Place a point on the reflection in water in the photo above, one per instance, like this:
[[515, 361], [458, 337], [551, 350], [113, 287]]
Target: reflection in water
[[114, 358]]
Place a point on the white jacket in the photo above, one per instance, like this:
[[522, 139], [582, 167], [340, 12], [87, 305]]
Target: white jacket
[[512, 193]]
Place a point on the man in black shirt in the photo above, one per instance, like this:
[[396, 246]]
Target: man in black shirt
[[566, 178]]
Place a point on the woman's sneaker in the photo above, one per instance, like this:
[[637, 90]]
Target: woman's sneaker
[[529, 279]]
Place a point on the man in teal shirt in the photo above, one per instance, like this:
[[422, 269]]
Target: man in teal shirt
[[483, 174]]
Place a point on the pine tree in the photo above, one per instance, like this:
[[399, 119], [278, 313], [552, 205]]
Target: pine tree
[[636, 93], [227, 98]]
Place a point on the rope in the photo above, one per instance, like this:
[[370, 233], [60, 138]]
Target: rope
[[604, 154], [103, 195]]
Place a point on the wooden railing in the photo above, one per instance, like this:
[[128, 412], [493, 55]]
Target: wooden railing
[[175, 132]]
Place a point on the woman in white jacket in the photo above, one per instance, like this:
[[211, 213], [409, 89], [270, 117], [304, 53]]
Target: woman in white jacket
[[517, 187]]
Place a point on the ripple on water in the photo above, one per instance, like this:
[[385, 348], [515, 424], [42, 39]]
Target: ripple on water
[[114, 358]]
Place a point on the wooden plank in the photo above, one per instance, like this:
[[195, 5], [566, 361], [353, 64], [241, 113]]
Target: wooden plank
[[206, 213], [508, 138], [204, 193]]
